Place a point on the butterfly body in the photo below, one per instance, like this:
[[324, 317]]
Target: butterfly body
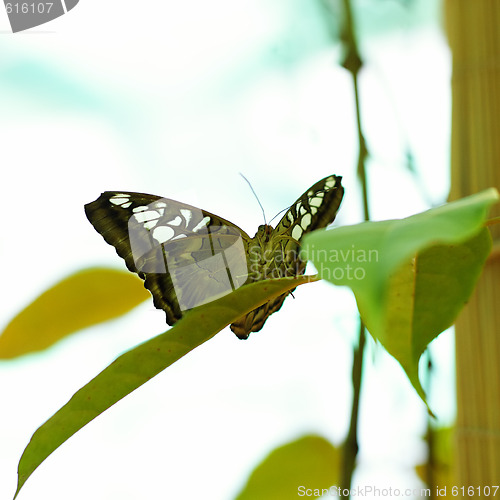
[[188, 256]]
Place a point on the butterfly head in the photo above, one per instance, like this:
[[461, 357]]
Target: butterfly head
[[264, 233]]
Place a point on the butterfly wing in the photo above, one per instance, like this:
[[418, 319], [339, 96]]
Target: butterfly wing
[[278, 250], [186, 256], [315, 209]]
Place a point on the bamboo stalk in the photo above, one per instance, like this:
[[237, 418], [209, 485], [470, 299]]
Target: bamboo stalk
[[474, 37]]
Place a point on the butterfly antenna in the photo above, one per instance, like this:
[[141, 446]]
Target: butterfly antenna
[[256, 197], [279, 213]]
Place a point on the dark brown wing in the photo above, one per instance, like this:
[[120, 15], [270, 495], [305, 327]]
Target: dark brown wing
[[186, 256]]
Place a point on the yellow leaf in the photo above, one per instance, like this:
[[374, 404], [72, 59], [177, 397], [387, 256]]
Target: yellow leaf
[[83, 299]]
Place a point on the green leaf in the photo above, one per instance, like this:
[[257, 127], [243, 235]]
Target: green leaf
[[310, 462], [137, 366], [83, 299], [410, 277]]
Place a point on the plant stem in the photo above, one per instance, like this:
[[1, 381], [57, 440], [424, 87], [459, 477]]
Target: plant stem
[[351, 447], [353, 63], [429, 438]]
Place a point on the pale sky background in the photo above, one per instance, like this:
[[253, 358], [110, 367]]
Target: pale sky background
[[176, 99]]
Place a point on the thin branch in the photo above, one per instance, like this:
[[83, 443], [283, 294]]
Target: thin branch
[[351, 447], [431, 457], [353, 63]]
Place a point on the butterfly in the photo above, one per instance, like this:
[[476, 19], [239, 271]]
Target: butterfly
[[188, 256]]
